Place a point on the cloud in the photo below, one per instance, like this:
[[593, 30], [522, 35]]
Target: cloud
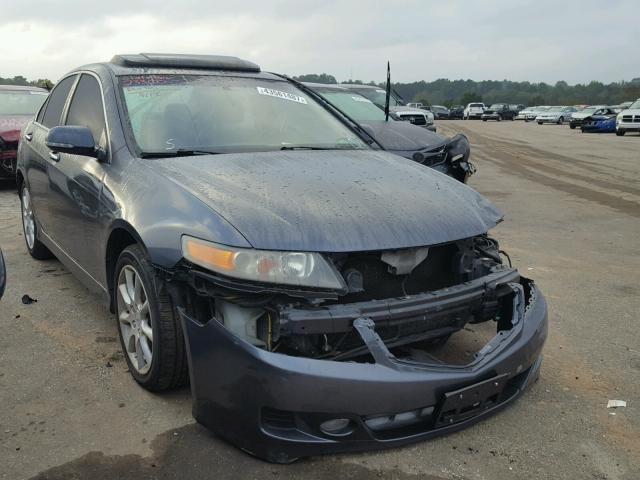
[[536, 40]]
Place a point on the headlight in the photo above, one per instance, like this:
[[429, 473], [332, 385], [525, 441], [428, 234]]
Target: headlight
[[286, 268], [458, 148]]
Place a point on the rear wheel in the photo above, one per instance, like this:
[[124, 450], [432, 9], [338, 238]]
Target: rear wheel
[[149, 327], [620, 133], [572, 127], [560, 120], [36, 248], [539, 123]]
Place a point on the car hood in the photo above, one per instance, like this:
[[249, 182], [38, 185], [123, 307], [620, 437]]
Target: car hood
[[332, 201], [11, 125], [403, 136]]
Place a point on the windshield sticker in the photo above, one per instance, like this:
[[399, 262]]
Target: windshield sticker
[[284, 95], [382, 91], [38, 93], [361, 99]]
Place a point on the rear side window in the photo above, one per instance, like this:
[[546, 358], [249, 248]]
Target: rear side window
[[57, 99], [86, 108]]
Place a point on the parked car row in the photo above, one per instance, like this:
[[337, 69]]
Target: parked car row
[[260, 237]]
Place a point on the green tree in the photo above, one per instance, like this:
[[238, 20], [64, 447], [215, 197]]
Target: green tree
[[470, 97], [315, 78]]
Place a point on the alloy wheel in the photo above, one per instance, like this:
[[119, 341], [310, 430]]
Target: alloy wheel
[[28, 222], [134, 319]]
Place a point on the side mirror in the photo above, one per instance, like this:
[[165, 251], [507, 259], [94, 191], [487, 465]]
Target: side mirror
[[73, 140], [3, 275]]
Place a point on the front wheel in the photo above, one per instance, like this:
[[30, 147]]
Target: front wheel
[[148, 324], [539, 123], [35, 247], [499, 118], [572, 127], [620, 133]]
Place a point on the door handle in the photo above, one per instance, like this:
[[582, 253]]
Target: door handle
[[54, 156], [28, 136]]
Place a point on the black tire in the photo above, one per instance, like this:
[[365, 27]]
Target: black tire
[[620, 133], [539, 123], [560, 120], [484, 119], [169, 367], [39, 251], [572, 127], [499, 118]]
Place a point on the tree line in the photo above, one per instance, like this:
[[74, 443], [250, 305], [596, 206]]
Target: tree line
[[22, 81], [460, 92]]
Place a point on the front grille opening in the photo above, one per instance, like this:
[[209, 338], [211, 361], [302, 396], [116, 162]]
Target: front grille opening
[[460, 348]]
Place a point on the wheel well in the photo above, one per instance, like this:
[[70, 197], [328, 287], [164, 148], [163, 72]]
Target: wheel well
[[118, 241]]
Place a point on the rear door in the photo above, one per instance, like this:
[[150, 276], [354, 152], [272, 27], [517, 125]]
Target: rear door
[[37, 154]]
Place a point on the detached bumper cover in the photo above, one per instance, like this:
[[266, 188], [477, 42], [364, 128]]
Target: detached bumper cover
[[272, 405]]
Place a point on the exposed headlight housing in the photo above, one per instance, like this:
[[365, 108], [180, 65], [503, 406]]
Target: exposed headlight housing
[[458, 148], [300, 269]]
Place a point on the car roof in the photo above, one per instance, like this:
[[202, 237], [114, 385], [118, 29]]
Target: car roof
[[171, 64], [354, 86], [22, 88], [325, 86], [175, 60]]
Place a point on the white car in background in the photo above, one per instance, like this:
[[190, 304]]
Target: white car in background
[[418, 117], [628, 120], [556, 114], [474, 110], [530, 113]]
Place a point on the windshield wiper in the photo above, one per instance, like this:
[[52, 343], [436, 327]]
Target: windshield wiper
[[181, 152], [311, 147]]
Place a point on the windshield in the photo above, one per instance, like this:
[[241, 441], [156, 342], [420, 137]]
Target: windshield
[[355, 105], [590, 109], [173, 113], [555, 109], [496, 106], [635, 105], [378, 96], [476, 105], [21, 102]]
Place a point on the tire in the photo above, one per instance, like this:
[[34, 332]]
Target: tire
[[499, 118], [620, 133], [484, 119], [166, 365], [560, 120], [30, 227], [572, 127], [539, 123]]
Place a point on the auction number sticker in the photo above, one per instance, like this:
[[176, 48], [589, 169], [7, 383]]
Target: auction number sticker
[[279, 94], [361, 99]]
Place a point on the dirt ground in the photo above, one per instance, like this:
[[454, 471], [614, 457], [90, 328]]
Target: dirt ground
[[69, 409]]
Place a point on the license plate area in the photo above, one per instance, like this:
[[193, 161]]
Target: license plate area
[[467, 402]]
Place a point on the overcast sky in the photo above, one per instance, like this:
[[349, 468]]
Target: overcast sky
[[537, 40]]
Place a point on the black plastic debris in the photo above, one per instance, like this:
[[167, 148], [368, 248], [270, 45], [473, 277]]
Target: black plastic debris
[[27, 300]]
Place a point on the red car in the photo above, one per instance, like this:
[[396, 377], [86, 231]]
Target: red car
[[17, 106]]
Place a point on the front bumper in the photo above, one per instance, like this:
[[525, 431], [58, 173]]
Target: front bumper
[[491, 116], [271, 405], [628, 126]]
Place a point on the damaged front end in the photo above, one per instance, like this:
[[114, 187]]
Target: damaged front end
[[285, 371]]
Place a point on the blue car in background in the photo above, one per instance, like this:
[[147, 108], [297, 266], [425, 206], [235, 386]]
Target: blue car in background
[[599, 124]]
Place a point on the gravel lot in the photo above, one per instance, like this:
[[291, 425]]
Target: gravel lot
[[69, 409]]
